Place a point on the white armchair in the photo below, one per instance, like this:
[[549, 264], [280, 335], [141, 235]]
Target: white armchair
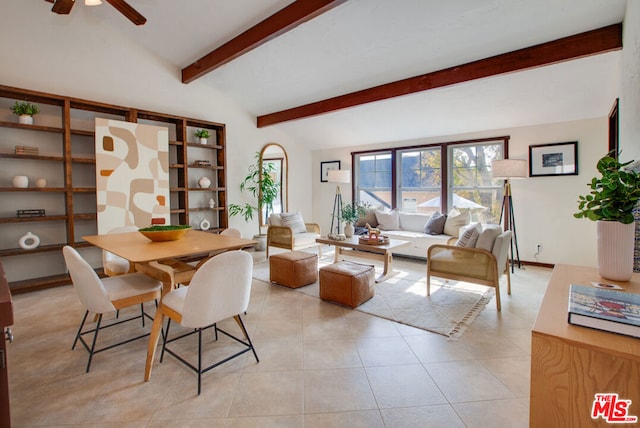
[[290, 232]]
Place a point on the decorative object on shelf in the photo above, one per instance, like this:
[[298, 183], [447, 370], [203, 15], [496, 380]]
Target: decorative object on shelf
[[30, 213], [204, 224], [165, 233], [26, 150], [610, 203], [21, 181], [339, 176], [553, 159], [509, 169], [204, 182], [202, 134], [41, 183], [351, 213], [25, 111], [260, 184], [212, 203], [202, 162], [29, 241]]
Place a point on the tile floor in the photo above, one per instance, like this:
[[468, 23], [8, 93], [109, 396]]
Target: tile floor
[[321, 365]]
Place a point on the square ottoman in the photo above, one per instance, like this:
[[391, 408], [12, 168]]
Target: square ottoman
[[293, 269], [347, 283]]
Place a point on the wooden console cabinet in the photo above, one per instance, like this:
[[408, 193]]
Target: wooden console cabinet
[[570, 364]]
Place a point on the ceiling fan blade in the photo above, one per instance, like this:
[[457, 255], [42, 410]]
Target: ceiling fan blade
[[62, 7], [129, 12]]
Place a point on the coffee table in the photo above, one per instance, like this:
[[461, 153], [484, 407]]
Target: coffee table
[[353, 247]]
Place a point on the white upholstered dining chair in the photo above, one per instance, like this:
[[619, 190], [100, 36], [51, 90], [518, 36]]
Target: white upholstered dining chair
[[219, 290], [115, 265], [108, 295]]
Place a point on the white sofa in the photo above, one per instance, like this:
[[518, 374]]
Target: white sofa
[[410, 227]]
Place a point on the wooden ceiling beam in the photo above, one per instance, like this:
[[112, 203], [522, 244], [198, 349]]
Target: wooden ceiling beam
[[277, 24], [581, 45]]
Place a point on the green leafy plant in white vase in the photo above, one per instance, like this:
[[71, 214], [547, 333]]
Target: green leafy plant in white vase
[[611, 202]]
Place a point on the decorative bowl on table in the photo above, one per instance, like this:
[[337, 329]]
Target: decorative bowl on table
[[377, 240], [164, 233]]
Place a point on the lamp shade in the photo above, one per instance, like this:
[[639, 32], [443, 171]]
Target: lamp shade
[[339, 176], [509, 168]]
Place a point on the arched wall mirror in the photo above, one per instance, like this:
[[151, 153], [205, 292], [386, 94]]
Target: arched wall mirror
[[274, 159]]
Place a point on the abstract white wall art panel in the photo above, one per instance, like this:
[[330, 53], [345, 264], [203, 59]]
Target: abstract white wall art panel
[[132, 174]]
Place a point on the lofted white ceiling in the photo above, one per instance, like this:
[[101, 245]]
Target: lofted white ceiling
[[363, 43]]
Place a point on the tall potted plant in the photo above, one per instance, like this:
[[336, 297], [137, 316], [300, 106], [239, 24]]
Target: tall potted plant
[[610, 203], [259, 183]]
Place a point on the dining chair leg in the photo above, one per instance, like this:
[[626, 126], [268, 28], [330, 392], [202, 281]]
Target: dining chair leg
[[142, 313], [93, 343], [80, 330], [165, 336], [200, 360], [246, 335]]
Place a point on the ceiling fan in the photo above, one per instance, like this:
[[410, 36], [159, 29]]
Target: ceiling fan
[[63, 7]]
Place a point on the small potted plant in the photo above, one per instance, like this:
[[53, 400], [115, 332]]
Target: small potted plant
[[25, 111], [202, 134], [610, 204], [351, 213]]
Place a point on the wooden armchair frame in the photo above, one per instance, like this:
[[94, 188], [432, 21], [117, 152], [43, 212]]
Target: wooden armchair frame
[[283, 237], [486, 264]]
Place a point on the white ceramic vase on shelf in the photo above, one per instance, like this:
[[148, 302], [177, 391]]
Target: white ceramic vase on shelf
[[615, 242], [25, 119], [41, 183], [204, 182], [29, 241], [203, 141], [21, 181]]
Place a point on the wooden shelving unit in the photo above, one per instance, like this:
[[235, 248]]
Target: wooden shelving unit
[[64, 134]]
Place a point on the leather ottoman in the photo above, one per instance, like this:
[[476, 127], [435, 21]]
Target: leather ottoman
[[347, 283], [293, 269]]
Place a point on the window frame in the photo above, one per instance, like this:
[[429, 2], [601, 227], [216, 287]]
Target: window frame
[[395, 152]]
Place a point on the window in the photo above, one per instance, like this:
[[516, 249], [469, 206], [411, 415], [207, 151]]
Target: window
[[420, 175], [424, 178], [374, 185], [471, 186]]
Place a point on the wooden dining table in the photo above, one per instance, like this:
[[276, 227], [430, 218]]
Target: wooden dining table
[[160, 259]]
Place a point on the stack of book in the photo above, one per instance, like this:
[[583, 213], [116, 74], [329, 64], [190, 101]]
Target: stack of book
[[26, 150], [202, 162], [605, 307]]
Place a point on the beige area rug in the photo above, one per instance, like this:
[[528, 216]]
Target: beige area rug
[[452, 306]]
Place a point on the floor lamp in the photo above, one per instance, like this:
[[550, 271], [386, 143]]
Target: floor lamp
[[509, 169], [340, 176]]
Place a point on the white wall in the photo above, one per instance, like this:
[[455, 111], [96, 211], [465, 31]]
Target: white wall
[[630, 84], [543, 206], [55, 54]]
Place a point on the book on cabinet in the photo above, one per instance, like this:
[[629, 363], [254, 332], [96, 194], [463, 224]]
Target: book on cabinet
[[60, 147], [604, 307]]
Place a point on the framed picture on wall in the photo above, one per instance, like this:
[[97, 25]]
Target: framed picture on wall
[[325, 167], [553, 159]]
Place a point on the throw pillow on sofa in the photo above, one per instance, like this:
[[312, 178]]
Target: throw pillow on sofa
[[413, 222], [369, 217], [388, 220], [469, 235], [435, 224], [455, 220], [294, 221]]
